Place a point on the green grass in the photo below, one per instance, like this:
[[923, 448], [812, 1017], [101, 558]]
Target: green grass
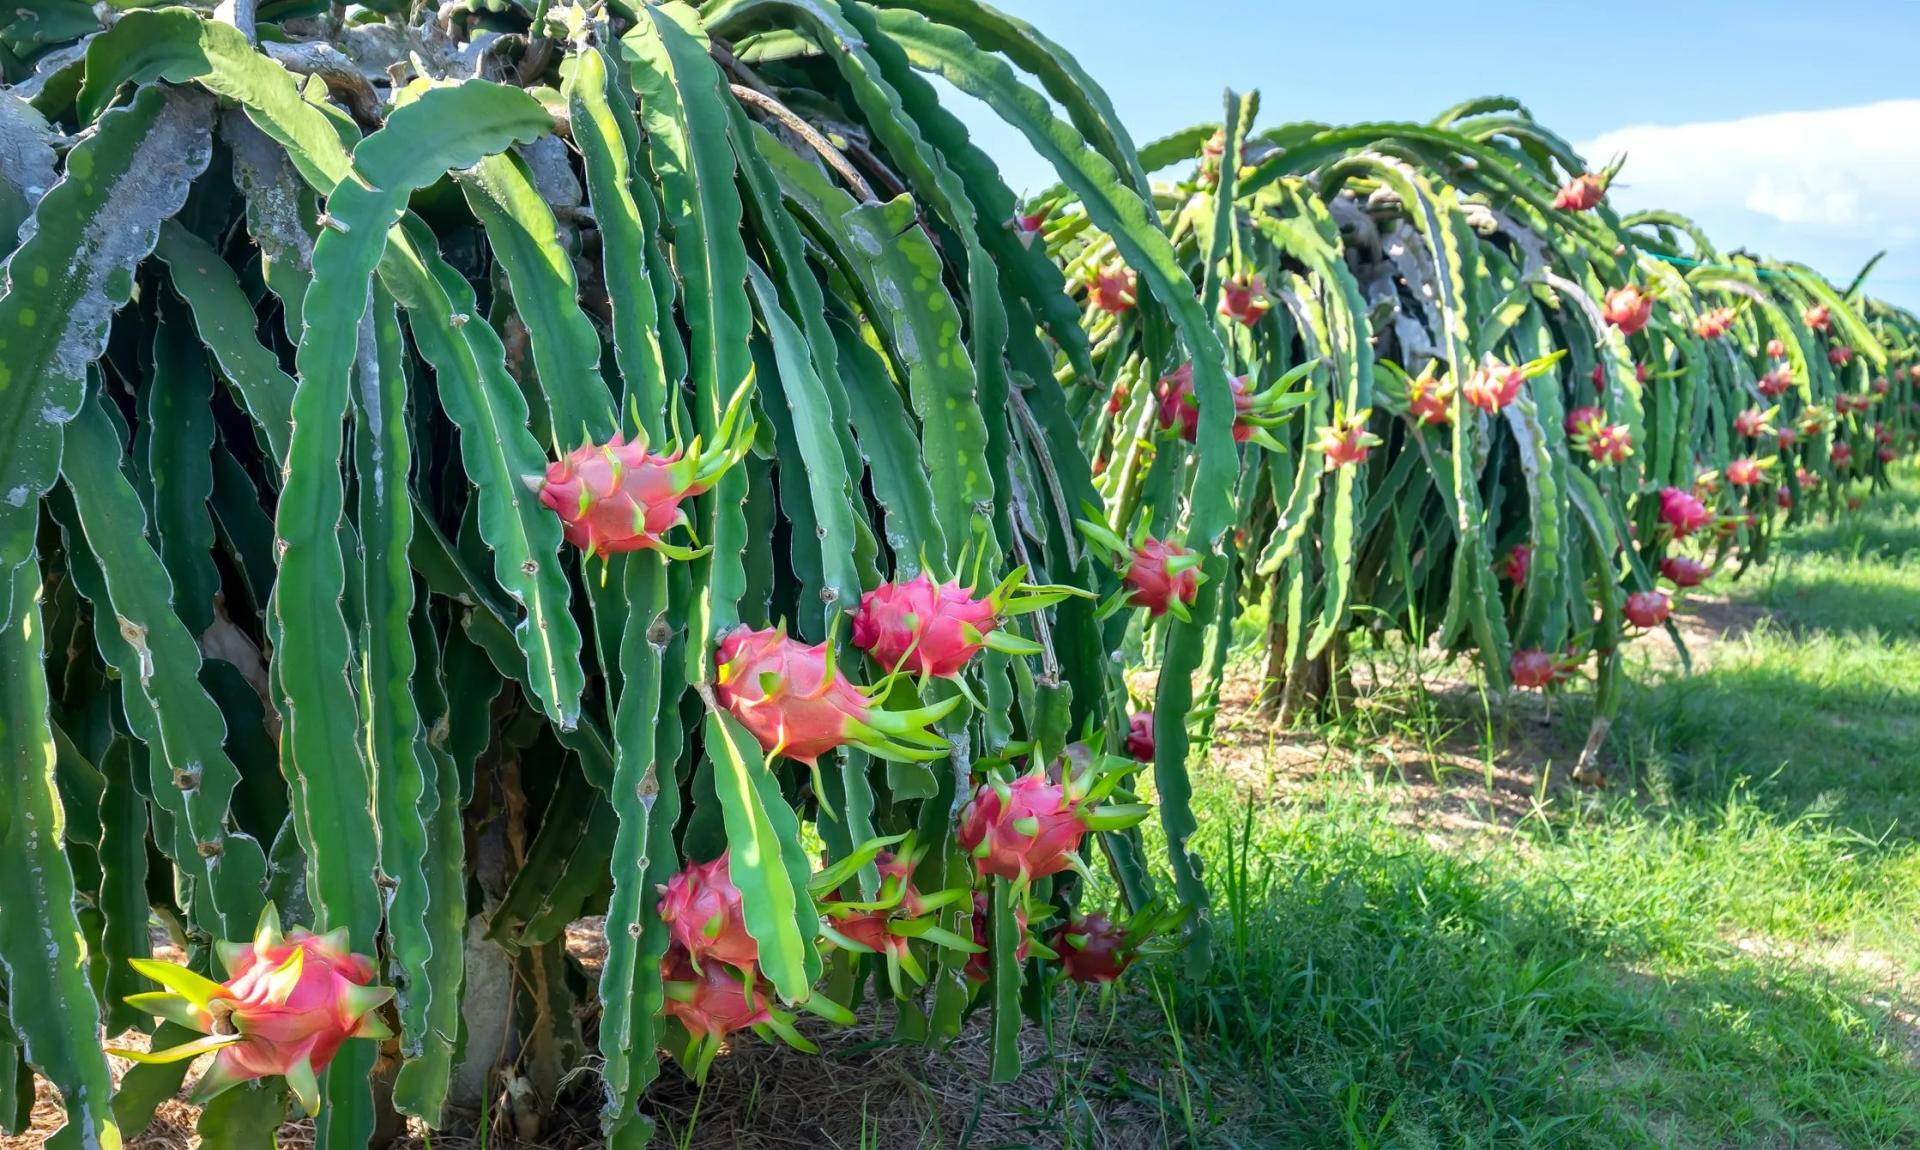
[[1720, 949]]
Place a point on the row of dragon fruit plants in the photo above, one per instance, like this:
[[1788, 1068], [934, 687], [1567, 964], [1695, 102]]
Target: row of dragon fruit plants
[[473, 471], [1637, 412]]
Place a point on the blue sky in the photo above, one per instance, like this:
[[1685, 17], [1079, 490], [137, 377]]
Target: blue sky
[[1792, 128]]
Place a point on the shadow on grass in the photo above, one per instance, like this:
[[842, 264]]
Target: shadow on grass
[[1371, 990]]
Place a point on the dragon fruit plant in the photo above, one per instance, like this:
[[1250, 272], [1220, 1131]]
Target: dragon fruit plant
[[290, 1001], [523, 429]]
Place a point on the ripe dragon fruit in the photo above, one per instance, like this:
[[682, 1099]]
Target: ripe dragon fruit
[[1026, 226], [1430, 400], [290, 1001], [1754, 422], [1714, 323], [887, 924], [1682, 512], [1806, 479], [1777, 382], [1244, 299], [1117, 402], [1584, 419], [711, 1001], [1030, 827], [1818, 317], [1783, 498], [1517, 564], [1092, 949], [1886, 454], [1582, 193], [1608, 445], [1879, 386], [1628, 308], [1114, 288], [1777, 348], [1492, 389], [935, 629], [1160, 576], [1647, 608], [1345, 442], [795, 703], [1840, 356], [1178, 405], [701, 908], [618, 496], [1532, 669], [1788, 437], [1747, 471], [1254, 412], [1842, 456], [1684, 572], [1140, 744]]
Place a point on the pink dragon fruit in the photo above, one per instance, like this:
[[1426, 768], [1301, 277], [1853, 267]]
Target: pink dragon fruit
[[1582, 193], [1113, 288], [1879, 386], [290, 1001], [1029, 828], [618, 496], [1745, 471], [1430, 400], [1788, 437], [1684, 572], [1244, 299], [1783, 498], [1777, 348], [1117, 401], [1628, 308], [1178, 405], [1092, 948], [1140, 744], [1647, 608], [1754, 423], [1583, 419], [1886, 454], [1682, 512], [888, 925], [1491, 389], [1840, 356], [1345, 442], [1714, 323], [935, 629], [1776, 382], [1163, 576], [1532, 668], [1842, 456], [794, 702], [1517, 564], [1818, 317], [1026, 226], [701, 908], [711, 1001]]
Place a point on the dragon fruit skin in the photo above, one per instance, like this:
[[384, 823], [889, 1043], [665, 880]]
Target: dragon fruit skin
[[1628, 308], [616, 497], [289, 1003], [1531, 668], [1244, 300], [1647, 608], [701, 908], [1025, 829], [1140, 743], [711, 1002], [794, 703], [1684, 572], [1179, 406], [1682, 512], [1092, 949], [1158, 579], [1582, 193], [927, 628]]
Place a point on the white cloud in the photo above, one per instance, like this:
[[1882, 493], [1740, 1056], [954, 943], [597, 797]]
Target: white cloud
[[1829, 187]]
